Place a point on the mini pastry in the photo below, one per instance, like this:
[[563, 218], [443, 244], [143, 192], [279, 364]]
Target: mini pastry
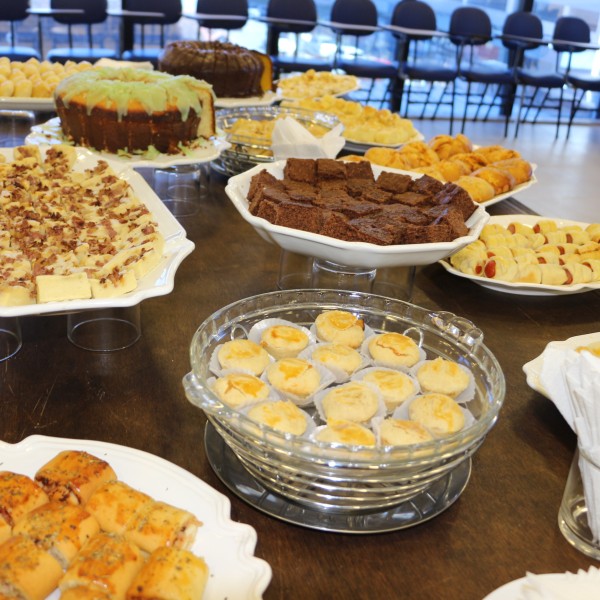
[[443, 376], [519, 168], [394, 350], [338, 356], [395, 386], [243, 355], [401, 432], [107, 562], [5, 530], [282, 415], [19, 495], [283, 341], [170, 573], [73, 476], [237, 390], [446, 145], [354, 401], [82, 593], [341, 327], [347, 433], [478, 188], [294, 376], [501, 181], [60, 528], [495, 153], [501, 268], [439, 413]]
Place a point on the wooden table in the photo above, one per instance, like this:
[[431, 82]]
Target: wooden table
[[505, 522]]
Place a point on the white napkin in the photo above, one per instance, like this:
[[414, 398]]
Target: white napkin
[[572, 381], [290, 139], [583, 585], [121, 64]]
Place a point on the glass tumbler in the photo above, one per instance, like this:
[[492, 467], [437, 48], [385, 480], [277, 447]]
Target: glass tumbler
[[573, 513]]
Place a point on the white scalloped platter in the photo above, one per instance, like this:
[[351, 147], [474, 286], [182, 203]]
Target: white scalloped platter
[[525, 289], [266, 99], [533, 369], [26, 103], [158, 282], [355, 254], [226, 546], [50, 132]]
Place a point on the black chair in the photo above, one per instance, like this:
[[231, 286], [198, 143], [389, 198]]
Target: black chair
[[298, 17], [228, 15], [566, 31], [358, 19], [94, 12], [414, 25], [13, 12], [148, 34]]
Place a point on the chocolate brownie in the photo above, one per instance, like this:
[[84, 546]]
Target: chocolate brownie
[[394, 182], [300, 169], [359, 170], [454, 195], [328, 168]]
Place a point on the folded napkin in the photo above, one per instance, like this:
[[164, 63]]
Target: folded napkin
[[572, 381], [291, 139], [121, 64], [583, 585]]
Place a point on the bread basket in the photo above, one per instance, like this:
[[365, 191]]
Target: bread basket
[[347, 479]]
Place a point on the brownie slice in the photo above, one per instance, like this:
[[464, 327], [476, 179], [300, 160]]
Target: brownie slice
[[257, 185], [359, 170], [408, 214], [357, 187], [300, 169], [413, 199], [394, 182], [377, 196], [454, 195], [426, 185], [450, 216], [340, 201], [408, 233], [300, 191], [328, 168], [292, 214]]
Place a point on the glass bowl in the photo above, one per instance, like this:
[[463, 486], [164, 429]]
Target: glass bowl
[[334, 477], [246, 151]]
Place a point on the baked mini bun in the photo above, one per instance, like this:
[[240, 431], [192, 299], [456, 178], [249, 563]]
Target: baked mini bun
[[394, 386], [501, 181], [402, 432], [338, 357], [282, 415], [478, 188], [355, 401], [451, 170], [519, 168], [394, 350], [283, 341], [446, 145], [471, 160], [443, 376], [341, 327], [495, 153], [439, 413], [237, 390], [347, 433], [243, 355], [294, 376]]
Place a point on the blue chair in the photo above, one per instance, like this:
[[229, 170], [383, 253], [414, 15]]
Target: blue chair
[[358, 19], [148, 46], [566, 30], [414, 24], [13, 12], [93, 12], [279, 18]]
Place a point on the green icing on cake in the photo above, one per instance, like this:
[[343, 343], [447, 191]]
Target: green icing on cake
[[114, 89]]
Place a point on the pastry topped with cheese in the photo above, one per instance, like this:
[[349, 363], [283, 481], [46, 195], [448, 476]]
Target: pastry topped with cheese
[[282, 415], [394, 350], [338, 357], [347, 433], [294, 376], [443, 376], [283, 341], [402, 432], [19, 495], [341, 327], [244, 355], [439, 413], [394, 386], [237, 390], [354, 401]]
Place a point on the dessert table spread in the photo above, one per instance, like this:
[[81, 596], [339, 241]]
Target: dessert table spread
[[504, 523]]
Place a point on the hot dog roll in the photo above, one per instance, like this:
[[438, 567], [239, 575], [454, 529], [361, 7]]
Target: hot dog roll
[[160, 524], [27, 572], [593, 229], [553, 275], [528, 273], [516, 227], [548, 258], [60, 528], [578, 273], [556, 237], [19, 495], [524, 256], [545, 226], [594, 266], [504, 251], [578, 237], [501, 268], [170, 574], [115, 504], [107, 563], [73, 476], [535, 240]]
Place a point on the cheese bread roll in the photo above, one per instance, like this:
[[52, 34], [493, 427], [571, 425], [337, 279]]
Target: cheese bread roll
[[341, 327], [19, 495]]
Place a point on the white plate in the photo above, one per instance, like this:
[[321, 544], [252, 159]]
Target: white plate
[[157, 282], [355, 254], [533, 369], [361, 147], [266, 99], [281, 94], [526, 289], [226, 546], [50, 132], [12, 103]]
